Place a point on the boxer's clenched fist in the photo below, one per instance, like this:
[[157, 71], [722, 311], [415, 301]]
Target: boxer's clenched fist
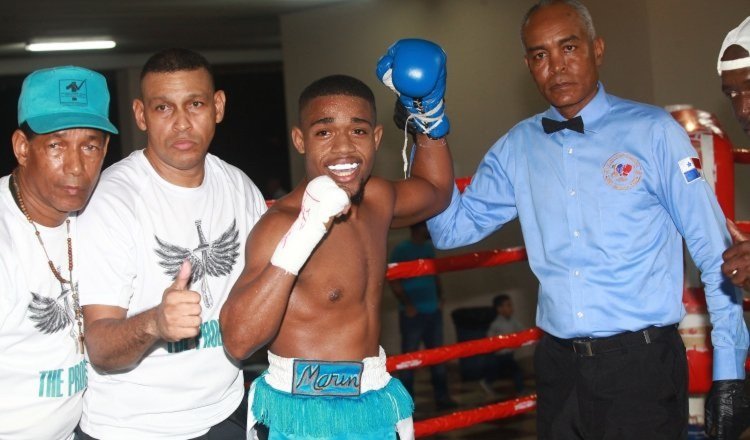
[[323, 200]]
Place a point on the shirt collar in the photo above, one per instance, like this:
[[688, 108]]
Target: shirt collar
[[594, 110]]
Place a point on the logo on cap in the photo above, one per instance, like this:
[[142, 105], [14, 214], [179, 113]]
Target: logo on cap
[[73, 92]]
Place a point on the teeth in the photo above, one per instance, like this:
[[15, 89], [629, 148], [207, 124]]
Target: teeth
[[343, 167]]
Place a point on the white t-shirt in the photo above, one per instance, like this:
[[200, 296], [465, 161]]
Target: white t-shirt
[[42, 373], [138, 229]]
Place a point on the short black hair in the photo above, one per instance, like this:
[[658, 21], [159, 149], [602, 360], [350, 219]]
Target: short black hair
[[499, 300], [176, 60], [27, 131], [337, 85]]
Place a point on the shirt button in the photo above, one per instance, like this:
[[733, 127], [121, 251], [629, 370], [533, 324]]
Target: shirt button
[[576, 234], [576, 273], [570, 151], [579, 314], [572, 192]]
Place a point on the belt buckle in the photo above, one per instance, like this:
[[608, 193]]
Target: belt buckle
[[582, 347], [327, 378]]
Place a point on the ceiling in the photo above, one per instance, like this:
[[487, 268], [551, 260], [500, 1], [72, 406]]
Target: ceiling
[[144, 26]]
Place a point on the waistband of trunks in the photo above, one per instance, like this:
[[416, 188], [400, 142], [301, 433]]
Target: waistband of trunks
[[281, 372]]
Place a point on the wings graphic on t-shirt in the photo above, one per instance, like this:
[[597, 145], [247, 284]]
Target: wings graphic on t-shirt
[[50, 315], [214, 259]]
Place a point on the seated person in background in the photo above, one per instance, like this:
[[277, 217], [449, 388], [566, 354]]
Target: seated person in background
[[502, 363]]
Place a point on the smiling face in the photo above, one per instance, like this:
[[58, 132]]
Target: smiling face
[[339, 138], [58, 171], [179, 112], [736, 86], [562, 58]]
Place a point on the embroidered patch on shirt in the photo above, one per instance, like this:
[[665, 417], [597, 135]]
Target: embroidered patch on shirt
[[622, 171], [690, 169]]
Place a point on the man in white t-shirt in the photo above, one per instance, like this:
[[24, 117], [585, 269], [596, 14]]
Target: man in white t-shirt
[[60, 145], [159, 365]]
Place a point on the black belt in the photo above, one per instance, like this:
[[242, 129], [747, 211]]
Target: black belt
[[592, 346]]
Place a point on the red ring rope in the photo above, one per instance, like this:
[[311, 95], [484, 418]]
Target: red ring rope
[[432, 356], [463, 419], [741, 155], [472, 260]]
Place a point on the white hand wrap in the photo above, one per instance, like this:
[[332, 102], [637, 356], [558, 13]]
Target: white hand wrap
[[323, 200]]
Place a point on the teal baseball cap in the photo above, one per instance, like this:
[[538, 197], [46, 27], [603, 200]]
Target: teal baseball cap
[[65, 97]]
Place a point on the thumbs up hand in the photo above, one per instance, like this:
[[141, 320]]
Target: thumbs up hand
[[179, 314], [737, 258]]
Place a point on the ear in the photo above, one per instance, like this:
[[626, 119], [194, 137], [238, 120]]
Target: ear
[[21, 147], [599, 50], [298, 139], [526, 61], [107, 137], [138, 113], [220, 101], [378, 132]]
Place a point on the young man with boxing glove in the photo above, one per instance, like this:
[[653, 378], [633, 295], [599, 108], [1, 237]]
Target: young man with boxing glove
[[315, 263]]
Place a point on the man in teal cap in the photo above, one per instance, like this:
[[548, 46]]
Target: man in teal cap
[[62, 136]]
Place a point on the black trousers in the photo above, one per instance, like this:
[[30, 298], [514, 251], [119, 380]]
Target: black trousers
[[636, 391]]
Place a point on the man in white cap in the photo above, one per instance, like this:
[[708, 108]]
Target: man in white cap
[[734, 68], [727, 406], [60, 143]]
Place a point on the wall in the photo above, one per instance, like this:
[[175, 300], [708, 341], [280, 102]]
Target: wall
[[659, 52]]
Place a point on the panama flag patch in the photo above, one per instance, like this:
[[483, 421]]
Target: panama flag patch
[[690, 169]]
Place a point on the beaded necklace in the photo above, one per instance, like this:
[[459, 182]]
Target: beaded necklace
[[55, 272]]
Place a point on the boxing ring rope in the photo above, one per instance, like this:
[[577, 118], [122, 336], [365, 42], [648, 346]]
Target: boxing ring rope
[[741, 155], [471, 417]]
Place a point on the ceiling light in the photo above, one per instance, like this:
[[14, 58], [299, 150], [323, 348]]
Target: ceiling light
[[49, 46]]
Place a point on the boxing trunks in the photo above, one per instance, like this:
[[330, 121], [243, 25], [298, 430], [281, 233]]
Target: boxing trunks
[[307, 399]]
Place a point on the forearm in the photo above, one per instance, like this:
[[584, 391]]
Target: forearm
[[252, 315], [116, 344], [432, 177]]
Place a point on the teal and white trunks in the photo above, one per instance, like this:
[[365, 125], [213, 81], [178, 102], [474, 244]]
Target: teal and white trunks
[[314, 400]]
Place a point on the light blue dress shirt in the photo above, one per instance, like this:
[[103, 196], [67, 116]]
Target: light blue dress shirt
[[603, 215]]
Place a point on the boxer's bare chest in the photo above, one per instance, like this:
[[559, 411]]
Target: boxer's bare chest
[[348, 265]]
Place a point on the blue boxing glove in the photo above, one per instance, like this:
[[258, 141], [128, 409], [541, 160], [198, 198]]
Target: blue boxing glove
[[415, 70]]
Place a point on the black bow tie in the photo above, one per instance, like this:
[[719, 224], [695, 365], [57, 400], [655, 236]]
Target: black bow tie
[[551, 126]]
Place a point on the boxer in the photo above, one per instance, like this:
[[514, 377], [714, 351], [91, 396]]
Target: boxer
[[315, 262]]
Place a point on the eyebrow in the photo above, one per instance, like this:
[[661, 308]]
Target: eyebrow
[[168, 99], [330, 120], [67, 133], [559, 43]]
